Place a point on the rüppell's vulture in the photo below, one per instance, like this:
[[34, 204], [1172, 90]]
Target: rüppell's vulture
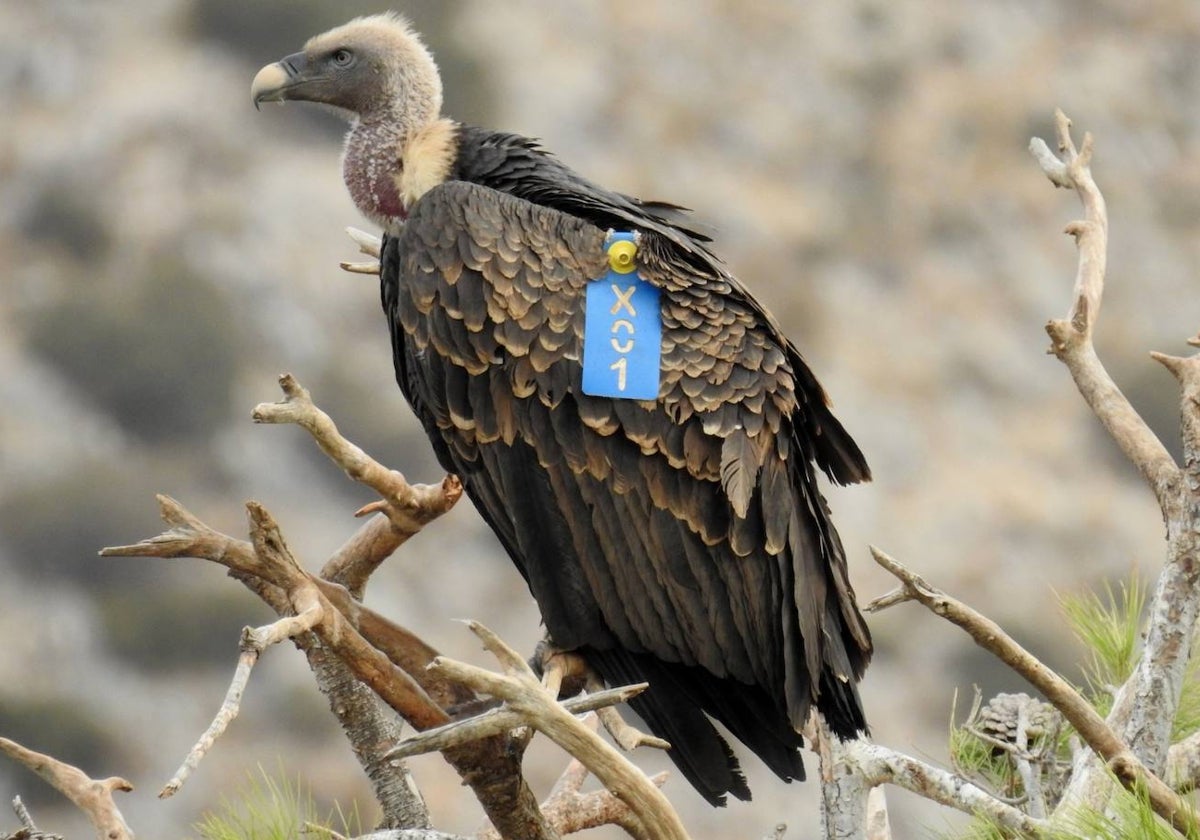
[[628, 419]]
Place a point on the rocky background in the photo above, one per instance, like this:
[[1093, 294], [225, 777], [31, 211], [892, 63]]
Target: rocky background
[[165, 252]]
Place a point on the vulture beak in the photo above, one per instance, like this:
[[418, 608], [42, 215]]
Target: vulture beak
[[276, 82]]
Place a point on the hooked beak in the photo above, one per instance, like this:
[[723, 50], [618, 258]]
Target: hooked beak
[[275, 82]]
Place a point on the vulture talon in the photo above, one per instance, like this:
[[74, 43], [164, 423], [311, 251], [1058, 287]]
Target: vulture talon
[[564, 673], [361, 267], [368, 243], [628, 736]]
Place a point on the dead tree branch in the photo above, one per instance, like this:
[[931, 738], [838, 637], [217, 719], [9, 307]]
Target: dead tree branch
[[1079, 713], [572, 810], [92, 796], [28, 831], [490, 767], [368, 244], [1145, 706], [1183, 764], [393, 662], [523, 693], [254, 641], [876, 765], [501, 719], [1071, 338], [410, 507], [269, 560]]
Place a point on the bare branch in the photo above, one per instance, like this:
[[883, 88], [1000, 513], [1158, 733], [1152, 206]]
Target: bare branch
[[522, 692], [93, 797], [891, 599], [412, 834], [1071, 338], [28, 830], [1078, 712], [254, 642], [990, 636], [1054, 168], [353, 563], [501, 719], [269, 560], [1145, 706], [844, 790], [1183, 764], [1031, 776], [572, 811], [409, 507], [879, 827], [878, 765], [189, 537], [491, 767]]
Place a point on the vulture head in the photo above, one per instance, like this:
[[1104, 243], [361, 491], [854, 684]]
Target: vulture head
[[376, 72], [372, 67]]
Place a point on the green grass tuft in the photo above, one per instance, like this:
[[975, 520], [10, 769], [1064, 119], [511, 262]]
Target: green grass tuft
[[270, 809]]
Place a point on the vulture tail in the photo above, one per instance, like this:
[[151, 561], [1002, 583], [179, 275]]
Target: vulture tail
[[669, 708]]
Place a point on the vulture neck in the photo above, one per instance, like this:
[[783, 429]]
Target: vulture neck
[[388, 164], [370, 166]]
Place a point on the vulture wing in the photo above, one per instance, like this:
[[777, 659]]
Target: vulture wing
[[682, 541]]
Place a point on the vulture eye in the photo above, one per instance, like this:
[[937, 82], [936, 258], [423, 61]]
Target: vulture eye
[[343, 58]]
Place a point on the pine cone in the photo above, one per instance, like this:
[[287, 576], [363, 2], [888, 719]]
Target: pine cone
[[998, 718]]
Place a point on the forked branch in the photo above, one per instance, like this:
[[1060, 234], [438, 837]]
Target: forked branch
[[398, 666], [1071, 338], [1145, 707], [410, 507], [522, 692], [92, 796]]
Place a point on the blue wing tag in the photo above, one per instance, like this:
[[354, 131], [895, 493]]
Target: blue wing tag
[[622, 328]]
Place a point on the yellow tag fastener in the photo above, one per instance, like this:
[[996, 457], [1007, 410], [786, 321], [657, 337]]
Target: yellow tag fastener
[[621, 256]]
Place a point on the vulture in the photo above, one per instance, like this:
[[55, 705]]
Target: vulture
[[632, 424]]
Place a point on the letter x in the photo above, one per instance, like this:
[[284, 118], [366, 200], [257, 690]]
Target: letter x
[[624, 300]]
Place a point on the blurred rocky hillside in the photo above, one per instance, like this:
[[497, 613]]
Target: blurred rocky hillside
[[165, 251]]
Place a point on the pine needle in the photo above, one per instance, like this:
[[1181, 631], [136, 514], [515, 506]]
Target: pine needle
[[270, 809], [1126, 816], [1109, 626]]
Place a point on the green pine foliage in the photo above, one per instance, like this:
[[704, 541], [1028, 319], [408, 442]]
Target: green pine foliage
[[270, 809], [980, 828], [978, 759], [1128, 817], [1109, 626], [1187, 716]]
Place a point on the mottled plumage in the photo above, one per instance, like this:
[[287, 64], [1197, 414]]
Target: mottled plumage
[[682, 541]]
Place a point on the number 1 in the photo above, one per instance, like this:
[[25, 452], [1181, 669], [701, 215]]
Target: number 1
[[619, 366]]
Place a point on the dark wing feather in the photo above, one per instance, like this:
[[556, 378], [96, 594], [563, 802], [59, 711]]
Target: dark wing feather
[[681, 540]]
